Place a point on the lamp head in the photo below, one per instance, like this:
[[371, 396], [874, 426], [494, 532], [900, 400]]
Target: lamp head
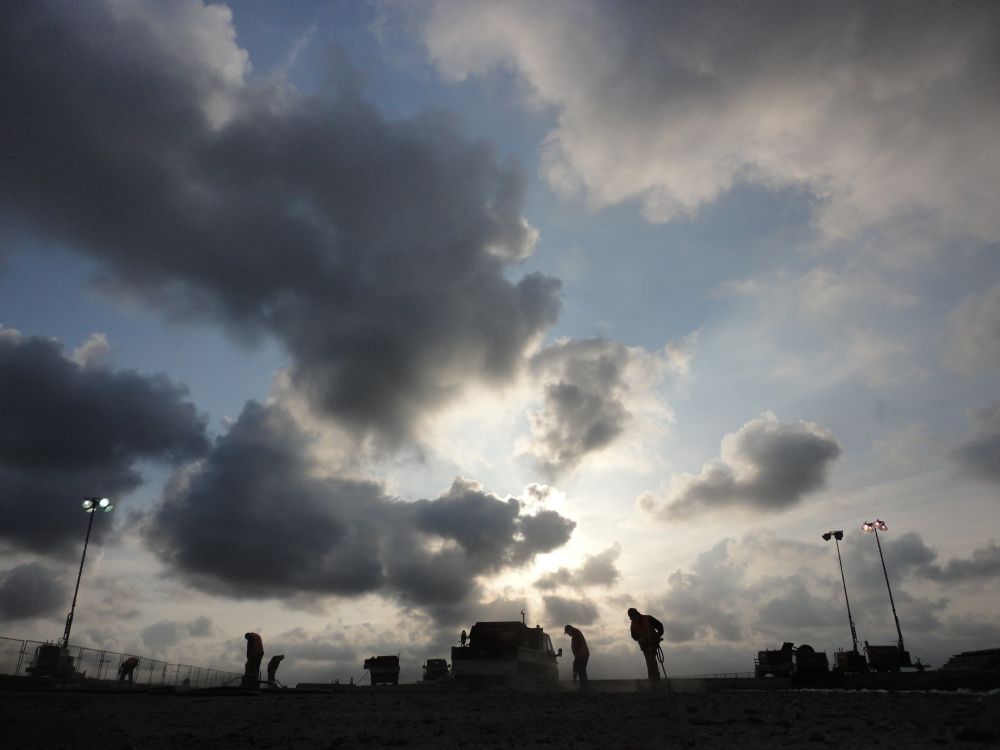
[[88, 505], [827, 536]]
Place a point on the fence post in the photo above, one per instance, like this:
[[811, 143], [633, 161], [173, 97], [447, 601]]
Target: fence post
[[20, 657]]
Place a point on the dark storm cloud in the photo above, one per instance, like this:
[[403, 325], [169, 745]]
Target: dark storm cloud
[[560, 610], [375, 250], [68, 431], [596, 570], [32, 590], [583, 409], [980, 457], [256, 519], [766, 465]]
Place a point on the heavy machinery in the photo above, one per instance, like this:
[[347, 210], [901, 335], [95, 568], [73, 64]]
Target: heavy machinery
[[887, 658], [384, 670], [506, 653], [850, 662], [53, 660], [775, 662], [435, 669], [788, 661]]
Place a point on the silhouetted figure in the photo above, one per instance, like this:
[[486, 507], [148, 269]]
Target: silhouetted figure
[[464, 638], [581, 654], [255, 652], [648, 632], [127, 669], [272, 668]]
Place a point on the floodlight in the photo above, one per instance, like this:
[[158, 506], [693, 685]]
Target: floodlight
[[880, 525], [90, 505], [868, 527]]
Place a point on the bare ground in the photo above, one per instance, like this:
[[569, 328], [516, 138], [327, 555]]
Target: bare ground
[[367, 718]]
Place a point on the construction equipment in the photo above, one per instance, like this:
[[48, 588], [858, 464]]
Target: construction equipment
[[383, 669], [53, 660], [435, 669], [887, 658], [788, 661], [848, 662], [775, 662], [506, 653]]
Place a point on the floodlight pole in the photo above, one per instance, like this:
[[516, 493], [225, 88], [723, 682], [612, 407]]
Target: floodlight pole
[[892, 604], [843, 580], [92, 511]]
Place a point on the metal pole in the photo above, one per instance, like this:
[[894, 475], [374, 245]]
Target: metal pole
[[72, 609], [892, 604], [843, 579]]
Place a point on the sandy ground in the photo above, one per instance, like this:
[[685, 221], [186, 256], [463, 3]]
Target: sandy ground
[[440, 719]]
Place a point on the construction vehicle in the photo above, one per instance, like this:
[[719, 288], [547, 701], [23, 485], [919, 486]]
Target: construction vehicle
[[887, 658], [53, 660], [384, 670], [775, 662], [788, 661], [850, 662], [509, 654], [435, 669]]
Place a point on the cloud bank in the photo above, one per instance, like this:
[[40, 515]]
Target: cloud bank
[[766, 465], [878, 110], [979, 458], [258, 518], [68, 431], [377, 251]]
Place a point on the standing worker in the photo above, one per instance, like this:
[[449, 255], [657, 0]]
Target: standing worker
[[648, 631], [127, 669], [272, 668], [255, 652], [581, 654]]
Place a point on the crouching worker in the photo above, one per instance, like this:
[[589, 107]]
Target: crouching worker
[[272, 668], [127, 669]]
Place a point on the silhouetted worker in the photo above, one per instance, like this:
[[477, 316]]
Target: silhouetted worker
[[463, 638], [272, 668], [255, 652], [648, 631], [581, 654], [127, 669]]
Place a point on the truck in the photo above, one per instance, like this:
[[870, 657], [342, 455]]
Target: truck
[[384, 670], [508, 654], [435, 669]]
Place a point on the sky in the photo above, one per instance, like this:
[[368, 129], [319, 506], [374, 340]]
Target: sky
[[377, 319]]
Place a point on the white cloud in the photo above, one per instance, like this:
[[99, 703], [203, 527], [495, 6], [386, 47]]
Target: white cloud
[[879, 111]]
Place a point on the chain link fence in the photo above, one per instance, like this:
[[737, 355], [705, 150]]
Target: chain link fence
[[92, 664]]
